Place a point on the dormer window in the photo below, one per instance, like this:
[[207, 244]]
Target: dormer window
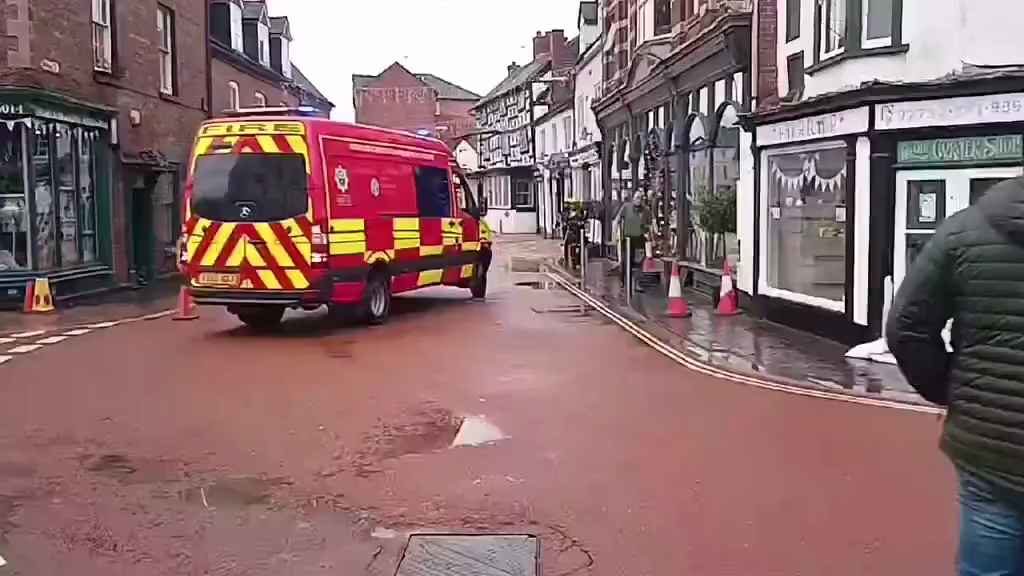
[[280, 46], [256, 31], [226, 23], [235, 15]]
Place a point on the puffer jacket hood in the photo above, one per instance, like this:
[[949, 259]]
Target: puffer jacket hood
[[1003, 207]]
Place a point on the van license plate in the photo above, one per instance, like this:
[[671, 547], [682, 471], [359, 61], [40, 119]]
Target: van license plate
[[218, 279]]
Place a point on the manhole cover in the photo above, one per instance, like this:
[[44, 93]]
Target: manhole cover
[[470, 556]]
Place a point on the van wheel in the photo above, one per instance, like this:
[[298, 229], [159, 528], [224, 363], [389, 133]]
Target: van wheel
[[377, 299], [478, 286], [262, 319]]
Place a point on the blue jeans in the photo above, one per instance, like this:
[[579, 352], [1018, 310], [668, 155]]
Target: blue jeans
[[991, 531]]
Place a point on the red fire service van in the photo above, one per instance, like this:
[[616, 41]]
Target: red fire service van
[[288, 211]]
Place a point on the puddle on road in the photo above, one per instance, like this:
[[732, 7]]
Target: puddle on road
[[235, 492], [477, 431]]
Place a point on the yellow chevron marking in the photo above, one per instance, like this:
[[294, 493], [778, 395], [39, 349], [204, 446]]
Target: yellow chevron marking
[[269, 280], [304, 248], [406, 243], [237, 254], [467, 271], [298, 279], [431, 250], [217, 244], [277, 251], [268, 144], [348, 225], [298, 144], [253, 257], [428, 277]]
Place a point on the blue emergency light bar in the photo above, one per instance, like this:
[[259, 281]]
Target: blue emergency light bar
[[300, 111]]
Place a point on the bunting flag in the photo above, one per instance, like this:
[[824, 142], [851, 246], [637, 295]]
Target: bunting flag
[[27, 122], [808, 177]]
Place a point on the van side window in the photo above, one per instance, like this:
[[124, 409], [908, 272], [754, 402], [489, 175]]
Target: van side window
[[433, 192]]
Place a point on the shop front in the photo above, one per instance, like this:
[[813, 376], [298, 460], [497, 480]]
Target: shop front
[[55, 198], [848, 198]]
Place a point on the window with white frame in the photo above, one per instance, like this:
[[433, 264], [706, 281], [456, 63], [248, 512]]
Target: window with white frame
[[260, 100], [523, 196], [264, 44], [567, 131], [165, 27], [233, 96], [102, 36], [237, 39], [833, 27], [877, 23]]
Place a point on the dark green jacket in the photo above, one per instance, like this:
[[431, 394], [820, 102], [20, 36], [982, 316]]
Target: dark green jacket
[[973, 272]]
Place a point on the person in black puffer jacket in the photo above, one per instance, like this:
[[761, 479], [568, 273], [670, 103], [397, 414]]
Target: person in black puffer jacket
[[972, 271]]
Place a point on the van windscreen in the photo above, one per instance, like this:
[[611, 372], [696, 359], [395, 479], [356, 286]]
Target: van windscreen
[[250, 187]]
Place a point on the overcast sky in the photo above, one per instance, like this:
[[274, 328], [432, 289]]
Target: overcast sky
[[468, 42]]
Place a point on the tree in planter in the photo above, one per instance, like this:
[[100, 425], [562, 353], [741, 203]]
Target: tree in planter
[[716, 214]]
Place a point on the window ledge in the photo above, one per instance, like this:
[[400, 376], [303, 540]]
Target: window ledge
[[849, 54], [171, 98]]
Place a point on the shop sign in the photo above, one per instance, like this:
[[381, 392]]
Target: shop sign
[[9, 109], [977, 150], [853, 121], [80, 119], [994, 109], [588, 158]]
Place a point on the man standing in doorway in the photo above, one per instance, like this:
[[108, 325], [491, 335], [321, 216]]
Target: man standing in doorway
[[972, 272]]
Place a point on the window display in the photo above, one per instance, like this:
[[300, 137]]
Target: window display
[[64, 166], [45, 220], [87, 196], [807, 222], [14, 248]]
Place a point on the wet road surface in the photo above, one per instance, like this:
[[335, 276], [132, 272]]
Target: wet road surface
[[205, 448]]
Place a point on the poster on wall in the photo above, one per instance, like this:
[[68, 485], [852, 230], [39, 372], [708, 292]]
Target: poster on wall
[[927, 204]]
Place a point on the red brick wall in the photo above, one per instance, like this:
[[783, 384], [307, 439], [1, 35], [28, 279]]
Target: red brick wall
[[767, 48], [397, 100], [248, 84], [456, 116], [62, 34]]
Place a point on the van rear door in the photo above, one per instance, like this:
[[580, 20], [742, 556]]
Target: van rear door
[[251, 224]]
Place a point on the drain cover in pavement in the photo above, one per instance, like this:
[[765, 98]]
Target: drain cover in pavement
[[470, 556]]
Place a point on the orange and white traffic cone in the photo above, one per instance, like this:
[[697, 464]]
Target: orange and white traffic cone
[[186, 306], [677, 305], [38, 296], [728, 300]]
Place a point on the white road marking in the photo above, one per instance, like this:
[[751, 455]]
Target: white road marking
[[2, 561], [29, 334], [6, 341], [79, 332], [158, 315], [24, 349], [4, 360], [708, 370], [103, 325], [53, 340]]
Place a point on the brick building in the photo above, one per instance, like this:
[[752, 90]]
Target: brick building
[[397, 98], [98, 105], [250, 60]]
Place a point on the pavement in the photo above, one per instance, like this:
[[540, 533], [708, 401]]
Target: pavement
[[158, 447]]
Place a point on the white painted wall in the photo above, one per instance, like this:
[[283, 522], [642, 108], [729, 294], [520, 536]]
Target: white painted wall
[[862, 232], [941, 34], [745, 202], [512, 222], [552, 145], [588, 80]]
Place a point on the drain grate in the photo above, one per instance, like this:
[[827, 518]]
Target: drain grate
[[485, 555]]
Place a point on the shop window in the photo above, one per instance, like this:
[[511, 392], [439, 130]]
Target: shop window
[[699, 247], [87, 196], [523, 194], [14, 215], [44, 221], [806, 223], [165, 27], [64, 161], [433, 192]]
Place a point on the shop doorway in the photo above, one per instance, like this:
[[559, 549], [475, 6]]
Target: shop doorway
[[925, 198]]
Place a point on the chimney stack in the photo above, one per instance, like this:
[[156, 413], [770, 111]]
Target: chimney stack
[[541, 44]]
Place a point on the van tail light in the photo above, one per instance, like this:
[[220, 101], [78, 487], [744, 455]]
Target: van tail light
[[320, 249]]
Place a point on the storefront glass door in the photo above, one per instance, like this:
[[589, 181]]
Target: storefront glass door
[[925, 198]]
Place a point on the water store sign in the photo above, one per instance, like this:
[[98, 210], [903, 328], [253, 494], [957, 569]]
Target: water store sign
[[998, 108], [980, 150]]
